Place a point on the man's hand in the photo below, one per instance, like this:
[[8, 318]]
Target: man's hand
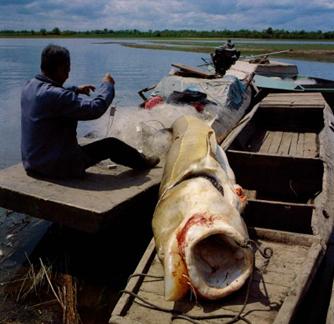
[[112, 110], [108, 78], [85, 89]]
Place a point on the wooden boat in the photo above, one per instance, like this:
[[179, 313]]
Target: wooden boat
[[295, 84], [288, 138], [269, 68], [282, 154], [271, 76]]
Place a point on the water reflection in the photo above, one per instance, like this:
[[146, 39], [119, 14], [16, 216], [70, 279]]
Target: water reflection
[[133, 69]]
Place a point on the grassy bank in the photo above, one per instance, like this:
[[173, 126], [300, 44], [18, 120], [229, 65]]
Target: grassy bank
[[313, 52]]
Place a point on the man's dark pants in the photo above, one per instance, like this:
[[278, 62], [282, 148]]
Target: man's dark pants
[[115, 150]]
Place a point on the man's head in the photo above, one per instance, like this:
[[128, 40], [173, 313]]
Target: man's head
[[55, 63]]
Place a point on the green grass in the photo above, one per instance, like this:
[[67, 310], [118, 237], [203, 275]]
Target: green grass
[[313, 52]]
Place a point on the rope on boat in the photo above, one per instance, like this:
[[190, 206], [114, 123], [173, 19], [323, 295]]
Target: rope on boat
[[145, 275], [191, 318], [254, 246], [251, 244]]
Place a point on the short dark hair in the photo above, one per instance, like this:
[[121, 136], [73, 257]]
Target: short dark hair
[[53, 56]]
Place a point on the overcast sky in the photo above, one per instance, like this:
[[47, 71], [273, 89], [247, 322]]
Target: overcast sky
[[167, 14]]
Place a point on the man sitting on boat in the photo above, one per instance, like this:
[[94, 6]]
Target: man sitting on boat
[[49, 118]]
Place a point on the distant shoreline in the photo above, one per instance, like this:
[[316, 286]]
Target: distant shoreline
[[157, 38], [311, 52], [322, 51], [268, 33]]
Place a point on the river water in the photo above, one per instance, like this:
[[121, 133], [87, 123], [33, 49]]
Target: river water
[[133, 69]]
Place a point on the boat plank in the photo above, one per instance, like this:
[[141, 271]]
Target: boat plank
[[123, 320], [268, 138], [294, 100], [145, 315], [285, 143], [300, 145], [292, 105], [85, 204], [276, 142], [193, 71], [293, 146], [293, 97], [310, 145], [258, 308]]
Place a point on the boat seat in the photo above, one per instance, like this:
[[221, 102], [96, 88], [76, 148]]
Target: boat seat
[[86, 204]]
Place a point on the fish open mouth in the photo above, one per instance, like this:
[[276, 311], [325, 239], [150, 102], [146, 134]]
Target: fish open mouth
[[217, 265]]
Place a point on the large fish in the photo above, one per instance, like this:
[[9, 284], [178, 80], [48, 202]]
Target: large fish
[[199, 234]]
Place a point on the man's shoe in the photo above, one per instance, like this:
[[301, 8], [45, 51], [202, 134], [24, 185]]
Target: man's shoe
[[147, 162], [151, 161]]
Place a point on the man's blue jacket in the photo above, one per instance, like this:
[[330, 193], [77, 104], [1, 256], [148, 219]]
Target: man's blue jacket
[[49, 116]]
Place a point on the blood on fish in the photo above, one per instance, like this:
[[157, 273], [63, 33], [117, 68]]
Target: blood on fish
[[196, 219], [240, 193]]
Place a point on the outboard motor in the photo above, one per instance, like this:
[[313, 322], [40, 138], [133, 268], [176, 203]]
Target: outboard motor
[[224, 57]]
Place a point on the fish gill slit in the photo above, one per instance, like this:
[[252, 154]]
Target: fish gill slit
[[213, 181]]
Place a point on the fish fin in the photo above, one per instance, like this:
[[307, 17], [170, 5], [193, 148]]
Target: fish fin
[[176, 282], [242, 197], [223, 161]]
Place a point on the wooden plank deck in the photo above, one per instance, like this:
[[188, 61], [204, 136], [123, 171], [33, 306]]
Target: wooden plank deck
[[294, 100], [193, 71], [275, 286], [86, 204], [285, 124], [290, 142], [286, 143]]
